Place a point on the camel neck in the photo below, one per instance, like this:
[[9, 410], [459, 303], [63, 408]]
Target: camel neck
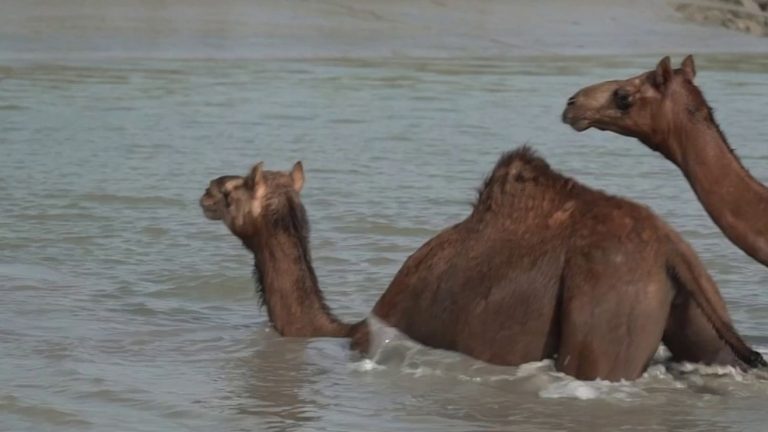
[[294, 302], [734, 199]]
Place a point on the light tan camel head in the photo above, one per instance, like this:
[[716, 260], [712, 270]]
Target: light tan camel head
[[644, 106], [248, 204]]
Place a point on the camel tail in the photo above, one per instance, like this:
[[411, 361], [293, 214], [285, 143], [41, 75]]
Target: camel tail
[[685, 268]]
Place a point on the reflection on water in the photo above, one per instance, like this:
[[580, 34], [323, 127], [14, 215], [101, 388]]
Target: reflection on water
[[124, 309]]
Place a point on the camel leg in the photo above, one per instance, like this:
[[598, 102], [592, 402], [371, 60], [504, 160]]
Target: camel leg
[[612, 322], [360, 337], [690, 337]]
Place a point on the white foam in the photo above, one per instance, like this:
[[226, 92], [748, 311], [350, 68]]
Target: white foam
[[391, 349], [535, 368], [587, 390], [366, 365], [702, 369], [569, 389]]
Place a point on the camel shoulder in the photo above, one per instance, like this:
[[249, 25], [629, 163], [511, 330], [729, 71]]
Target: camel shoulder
[[607, 217]]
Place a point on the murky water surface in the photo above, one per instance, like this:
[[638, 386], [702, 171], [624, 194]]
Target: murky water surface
[[124, 309]]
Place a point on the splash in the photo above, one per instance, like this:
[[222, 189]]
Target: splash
[[393, 351], [587, 390]]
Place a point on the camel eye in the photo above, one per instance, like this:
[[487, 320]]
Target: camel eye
[[622, 99], [225, 196]]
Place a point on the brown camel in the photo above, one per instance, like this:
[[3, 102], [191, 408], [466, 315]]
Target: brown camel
[[264, 211], [543, 267], [665, 110]]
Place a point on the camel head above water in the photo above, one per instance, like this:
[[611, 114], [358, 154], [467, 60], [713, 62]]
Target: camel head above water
[[264, 211], [244, 203], [212, 201], [644, 106]]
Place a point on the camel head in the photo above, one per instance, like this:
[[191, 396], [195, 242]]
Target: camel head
[[644, 106], [212, 201], [244, 203]]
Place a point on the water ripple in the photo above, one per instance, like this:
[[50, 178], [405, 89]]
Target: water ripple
[[124, 308]]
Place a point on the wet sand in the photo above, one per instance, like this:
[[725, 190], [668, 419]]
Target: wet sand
[[289, 29]]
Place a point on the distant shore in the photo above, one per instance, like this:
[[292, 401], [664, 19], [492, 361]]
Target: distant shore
[[748, 16], [292, 29]]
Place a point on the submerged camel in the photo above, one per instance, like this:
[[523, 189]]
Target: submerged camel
[[543, 267], [665, 110]]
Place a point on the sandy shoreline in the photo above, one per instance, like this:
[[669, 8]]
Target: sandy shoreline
[[354, 28]]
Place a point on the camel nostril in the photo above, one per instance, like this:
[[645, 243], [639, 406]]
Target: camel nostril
[[571, 100]]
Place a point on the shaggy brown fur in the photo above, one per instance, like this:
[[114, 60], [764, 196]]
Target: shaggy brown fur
[[665, 110], [543, 267]]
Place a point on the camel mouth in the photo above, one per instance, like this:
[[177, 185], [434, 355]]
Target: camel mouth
[[212, 215], [210, 210], [579, 124]]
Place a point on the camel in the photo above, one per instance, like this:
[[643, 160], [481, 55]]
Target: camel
[[665, 110], [542, 268], [264, 211]]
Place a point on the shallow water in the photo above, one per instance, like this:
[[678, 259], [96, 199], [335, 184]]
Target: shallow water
[[124, 309]]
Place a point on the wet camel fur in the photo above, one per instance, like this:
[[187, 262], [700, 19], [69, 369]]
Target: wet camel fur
[[543, 267]]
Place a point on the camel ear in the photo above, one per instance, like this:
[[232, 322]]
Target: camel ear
[[256, 176], [663, 72], [297, 175], [689, 67]]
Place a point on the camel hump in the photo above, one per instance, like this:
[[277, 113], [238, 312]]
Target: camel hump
[[689, 274], [521, 166], [522, 161]]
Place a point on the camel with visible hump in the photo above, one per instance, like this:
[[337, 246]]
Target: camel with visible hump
[[543, 267], [665, 110]]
